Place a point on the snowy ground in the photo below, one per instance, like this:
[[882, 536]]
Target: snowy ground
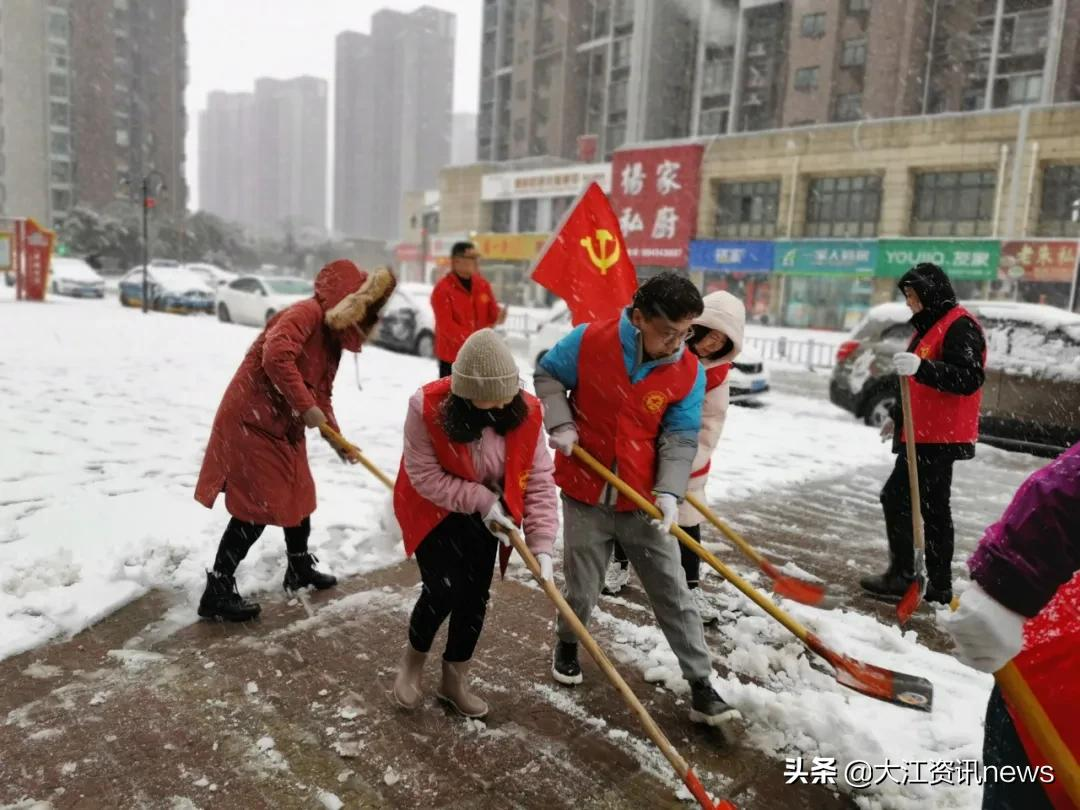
[[106, 412]]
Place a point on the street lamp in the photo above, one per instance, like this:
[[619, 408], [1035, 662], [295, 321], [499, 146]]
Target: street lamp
[[148, 202]]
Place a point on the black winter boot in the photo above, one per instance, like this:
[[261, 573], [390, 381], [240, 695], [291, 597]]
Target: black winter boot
[[708, 708], [564, 664], [302, 572], [222, 601], [890, 585], [942, 595]]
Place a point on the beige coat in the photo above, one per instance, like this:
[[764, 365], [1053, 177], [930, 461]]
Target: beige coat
[[725, 312]]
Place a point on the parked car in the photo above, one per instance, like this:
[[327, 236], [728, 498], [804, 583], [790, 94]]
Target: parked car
[[1031, 397], [76, 278], [407, 322], [254, 300], [171, 289], [213, 275]]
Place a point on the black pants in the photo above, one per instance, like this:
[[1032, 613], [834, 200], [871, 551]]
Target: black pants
[[456, 560], [691, 562], [444, 369], [1002, 746], [240, 536], [935, 489]]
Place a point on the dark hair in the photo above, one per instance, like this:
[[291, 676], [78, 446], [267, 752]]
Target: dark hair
[[459, 248], [698, 333], [669, 295], [464, 422]]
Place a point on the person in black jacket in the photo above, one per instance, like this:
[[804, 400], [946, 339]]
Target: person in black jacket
[[955, 368]]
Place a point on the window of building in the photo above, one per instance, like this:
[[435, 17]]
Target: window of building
[[747, 209], [848, 107], [717, 77], [858, 6], [61, 200], [58, 24], [60, 171], [526, 216], [58, 87], [620, 53], [616, 136], [854, 52], [713, 122], [501, 216], [60, 143], [806, 78], [813, 25], [58, 114], [617, 97], [1059, 211], [953, 204], [843, 206], [559, 207], [601, 20], [1024, 88]]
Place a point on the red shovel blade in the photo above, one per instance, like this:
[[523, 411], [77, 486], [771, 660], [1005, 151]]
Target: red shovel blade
[[910, 601], [698, 791], [799, 590], [899, 688]]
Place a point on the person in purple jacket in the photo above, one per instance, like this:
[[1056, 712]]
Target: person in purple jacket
[[1023, 569]]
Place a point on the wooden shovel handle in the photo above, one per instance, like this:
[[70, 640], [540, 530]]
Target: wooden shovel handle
[[341, 443], [912, 468]]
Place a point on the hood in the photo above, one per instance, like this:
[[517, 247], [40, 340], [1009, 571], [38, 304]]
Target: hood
[[725, 312], [931, 284], [350, 297]]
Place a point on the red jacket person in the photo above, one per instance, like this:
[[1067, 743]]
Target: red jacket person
[[257, 453], [463, 303]]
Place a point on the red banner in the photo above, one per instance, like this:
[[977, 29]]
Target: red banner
[[655, 194], [1039, 260]]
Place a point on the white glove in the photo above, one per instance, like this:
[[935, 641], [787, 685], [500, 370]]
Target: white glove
[[563, 439], [987, 634], [906, 363], [496, 519], [669, 509], [546, 566], [888, 427]]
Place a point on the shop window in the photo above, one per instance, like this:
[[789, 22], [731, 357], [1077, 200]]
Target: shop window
[[747, 209], [843, 206], [953, 204], [1059, 209]]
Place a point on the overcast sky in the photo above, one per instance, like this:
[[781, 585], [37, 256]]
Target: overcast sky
[[233, 42]]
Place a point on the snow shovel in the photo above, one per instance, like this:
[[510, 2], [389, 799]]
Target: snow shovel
[[349, 449], [809, 593], [681, 766], [898, 688], [910, 600]]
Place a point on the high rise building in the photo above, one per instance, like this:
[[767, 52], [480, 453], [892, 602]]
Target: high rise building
[[463, 139], [92, 95], [393, 108], [227, 160]]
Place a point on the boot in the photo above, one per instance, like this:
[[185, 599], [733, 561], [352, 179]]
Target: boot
[[454, 690], [301, 573], [942, 594], [564, 663], [407, 692], [708, 708], [890, 585], [222, 601]]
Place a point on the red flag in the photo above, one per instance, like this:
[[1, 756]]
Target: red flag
[[585, 261]]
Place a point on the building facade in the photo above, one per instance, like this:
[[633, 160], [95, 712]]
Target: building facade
[[227, 159]]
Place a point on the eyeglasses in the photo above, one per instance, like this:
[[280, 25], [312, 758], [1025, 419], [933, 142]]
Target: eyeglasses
[[670, 335]]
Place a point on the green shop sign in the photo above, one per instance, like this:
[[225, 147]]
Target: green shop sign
[[825, 257], [962, 259]]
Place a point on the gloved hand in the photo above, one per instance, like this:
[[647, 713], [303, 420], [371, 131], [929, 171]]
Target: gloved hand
[[987, 634], [563, 439], [546, 566], [314, 417], [888, 427], [669, 510], [499, 523], [346, 456], [906, 363]]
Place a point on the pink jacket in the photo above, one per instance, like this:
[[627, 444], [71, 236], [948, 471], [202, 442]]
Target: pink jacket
[[489, 457]]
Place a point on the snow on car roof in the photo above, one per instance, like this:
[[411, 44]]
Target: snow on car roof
[[1040, 314]]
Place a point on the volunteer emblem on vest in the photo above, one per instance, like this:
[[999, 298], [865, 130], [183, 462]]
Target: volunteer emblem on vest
[[600, 258], [523, 480], [924, 352], [484, 298], [654, 401]]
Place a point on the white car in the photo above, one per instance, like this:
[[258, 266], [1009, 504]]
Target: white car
[[407, 322], [748, 378], [213, 275], [254, 300], [76, 278]]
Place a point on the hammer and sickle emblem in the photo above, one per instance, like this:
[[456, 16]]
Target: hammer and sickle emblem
[[603, 261]]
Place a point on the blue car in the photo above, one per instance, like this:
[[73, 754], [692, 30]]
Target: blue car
[[171, 289]]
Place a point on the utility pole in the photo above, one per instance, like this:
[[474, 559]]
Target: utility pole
[[148, 202]]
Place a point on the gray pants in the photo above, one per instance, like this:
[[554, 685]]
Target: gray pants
[[589, 533]]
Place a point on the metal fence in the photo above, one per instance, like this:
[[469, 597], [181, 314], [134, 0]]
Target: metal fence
[[518, 323], [809, 353]]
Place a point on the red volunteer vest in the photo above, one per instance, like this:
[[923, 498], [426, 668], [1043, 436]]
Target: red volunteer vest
[[618, 421], [1049, 663], [939, 417], [416, 514], [714, 378]]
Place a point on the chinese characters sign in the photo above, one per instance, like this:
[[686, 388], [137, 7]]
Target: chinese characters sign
[[655, 194], [509, 246], [1037, 260], [731, 256], [961, 259], [826, 257]]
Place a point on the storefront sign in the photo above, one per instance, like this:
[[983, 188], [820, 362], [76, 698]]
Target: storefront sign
[[1039, 260], [564, 181], [961, 259], [655, 194], [828, 257], [513, 247], [726, 256]]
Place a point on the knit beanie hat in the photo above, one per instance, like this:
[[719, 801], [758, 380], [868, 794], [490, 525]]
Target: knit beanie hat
[[485, 369]]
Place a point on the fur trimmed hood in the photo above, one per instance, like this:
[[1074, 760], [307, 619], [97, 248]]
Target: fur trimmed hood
[[358, 306]]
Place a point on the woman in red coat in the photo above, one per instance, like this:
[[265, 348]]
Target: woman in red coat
[[257, 454]]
